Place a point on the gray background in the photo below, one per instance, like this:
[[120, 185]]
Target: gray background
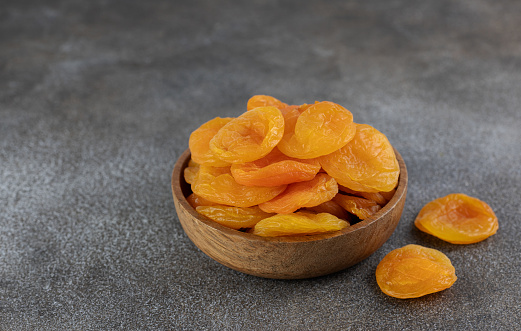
[[97, 101]]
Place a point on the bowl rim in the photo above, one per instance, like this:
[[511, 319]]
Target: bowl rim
[[178, 179]]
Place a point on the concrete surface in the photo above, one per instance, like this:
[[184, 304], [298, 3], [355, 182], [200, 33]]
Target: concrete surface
[[98, 98]]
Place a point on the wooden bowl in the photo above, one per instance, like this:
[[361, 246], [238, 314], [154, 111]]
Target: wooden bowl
[[287, 257]]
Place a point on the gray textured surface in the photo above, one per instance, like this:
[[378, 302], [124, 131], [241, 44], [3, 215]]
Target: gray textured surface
[[97, 100]]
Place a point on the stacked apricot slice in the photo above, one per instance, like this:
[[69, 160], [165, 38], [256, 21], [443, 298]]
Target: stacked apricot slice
[[286, 170]]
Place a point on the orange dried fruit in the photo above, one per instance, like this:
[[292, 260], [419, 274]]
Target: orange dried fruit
[[190, 172], [367, 163], [250, 136], [263, 101], [331, 207], [314, 130], [233, 217], [303, 194], [274, 169], [195, 201], [458, 219], [199, 142], [360, 207], [377, 197], [300, 223], [414, 271], [217, 185]]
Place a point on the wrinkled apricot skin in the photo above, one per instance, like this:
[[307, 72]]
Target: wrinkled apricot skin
[[333, 208], [300, 223], [304, 194], [320, 129], [190, 172], [250, 136], [264, 101], [217, 185], [233, 217], [458, 219], [414, 271], [195, 201], [377, 197], [275, 169], [360, 207], [367, 163], [199, 142]]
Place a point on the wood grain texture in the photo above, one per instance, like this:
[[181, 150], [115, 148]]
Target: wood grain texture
[[287, 257]]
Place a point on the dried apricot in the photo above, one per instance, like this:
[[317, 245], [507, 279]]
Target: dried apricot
[[367, 163], [199, 142], [458, 219], [377, 197], [300, 223], [331, 207], [234, 217], [217, 185], [361, 207], [250, 136], [263, 101], [320, 129], [414, 271], [275, 169], [303, 194], [195, 201], [190, 172]]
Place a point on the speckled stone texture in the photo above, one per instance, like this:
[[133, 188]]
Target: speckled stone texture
[[97, 101]]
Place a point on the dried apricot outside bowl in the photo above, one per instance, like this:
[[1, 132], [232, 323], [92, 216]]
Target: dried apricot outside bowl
[[293, 257]]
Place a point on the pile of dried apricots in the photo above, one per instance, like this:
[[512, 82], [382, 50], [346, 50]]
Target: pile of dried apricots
[[286, 170]]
